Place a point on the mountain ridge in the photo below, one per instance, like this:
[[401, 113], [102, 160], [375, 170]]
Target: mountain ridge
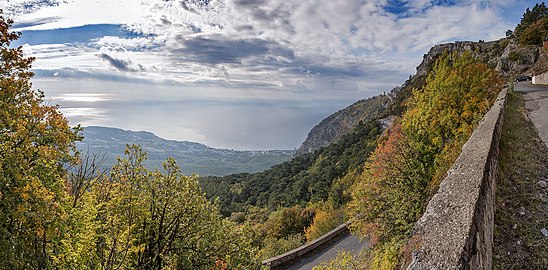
[[192, 156]]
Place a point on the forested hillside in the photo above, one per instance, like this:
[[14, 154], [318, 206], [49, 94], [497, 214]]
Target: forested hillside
[[311, 177], [335, 126], [407, 167]]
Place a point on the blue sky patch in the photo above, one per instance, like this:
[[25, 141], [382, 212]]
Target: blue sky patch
[[80, 34], [396, 7]]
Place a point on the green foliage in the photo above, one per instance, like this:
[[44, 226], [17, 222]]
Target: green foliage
[[346, 260], [408, 164], [237, 217], [288, 221], [35, 140], [531, 16], [398, 107], [277, 246], [387, 255], [305, 178], [535, 34], [137, 218], [513, 56], [323, 222]]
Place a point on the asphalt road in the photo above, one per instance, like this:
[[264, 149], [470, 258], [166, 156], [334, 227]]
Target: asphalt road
[[536, 104], [348, 243]]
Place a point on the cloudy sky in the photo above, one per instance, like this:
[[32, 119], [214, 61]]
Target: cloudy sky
[[237, 74]]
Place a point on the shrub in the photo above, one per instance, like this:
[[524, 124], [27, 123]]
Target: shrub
[[324, 221]]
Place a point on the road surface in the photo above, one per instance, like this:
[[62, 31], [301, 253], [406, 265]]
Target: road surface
[[536, 104], [348, 243]]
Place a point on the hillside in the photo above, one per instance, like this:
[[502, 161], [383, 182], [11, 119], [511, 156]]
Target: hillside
[[346, 165], [310, 177], [504, 55], [192, 157], [335, 126]]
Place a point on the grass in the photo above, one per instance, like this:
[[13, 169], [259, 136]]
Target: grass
[[521, 209]]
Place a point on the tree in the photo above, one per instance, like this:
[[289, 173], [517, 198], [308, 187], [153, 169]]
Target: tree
[[409, 162], [323, 222], [535, 34], [154, 220], [530, 16], [35, 141]]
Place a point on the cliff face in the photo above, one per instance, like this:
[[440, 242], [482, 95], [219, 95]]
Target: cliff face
[[340, 123], [504, 55]]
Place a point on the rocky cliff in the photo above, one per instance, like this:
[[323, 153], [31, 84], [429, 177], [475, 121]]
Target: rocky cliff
[[340, 123], [504, 55]]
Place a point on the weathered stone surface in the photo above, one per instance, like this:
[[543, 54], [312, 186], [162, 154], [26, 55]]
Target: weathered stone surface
[[504, 55], [456, 231], [517, 60]]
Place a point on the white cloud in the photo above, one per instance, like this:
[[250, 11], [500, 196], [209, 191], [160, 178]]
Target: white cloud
[[71, 13], [276, 42], [225, 50]]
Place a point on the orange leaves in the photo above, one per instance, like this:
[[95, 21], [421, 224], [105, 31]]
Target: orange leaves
[[323, 222], [405, 169], [34, 140]]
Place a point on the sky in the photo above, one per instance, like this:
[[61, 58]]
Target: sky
[[235, 74]]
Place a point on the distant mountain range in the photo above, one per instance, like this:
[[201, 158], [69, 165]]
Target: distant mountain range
[[192, 157]]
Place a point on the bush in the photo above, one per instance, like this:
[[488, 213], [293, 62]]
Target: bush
[[275, 247], [345, 260], [513, 56], [324, 221]]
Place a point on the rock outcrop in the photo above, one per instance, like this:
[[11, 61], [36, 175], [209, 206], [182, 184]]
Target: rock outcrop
[[504, 55], [340, 123]]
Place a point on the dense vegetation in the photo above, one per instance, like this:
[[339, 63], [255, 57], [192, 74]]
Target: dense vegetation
[[533, 27], [306, 178], [298, 200], [407, 166], [34, 140], [139, 218], [132, 218]]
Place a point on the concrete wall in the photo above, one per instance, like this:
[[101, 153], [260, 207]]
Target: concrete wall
[[456, 231], [541, 78], [318, 244]]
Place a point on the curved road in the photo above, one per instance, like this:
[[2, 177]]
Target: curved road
[[536, 104], [347, 243]]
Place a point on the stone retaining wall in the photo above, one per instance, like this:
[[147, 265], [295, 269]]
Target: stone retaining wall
[[303, 251], [456, 231], [541, 78]]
